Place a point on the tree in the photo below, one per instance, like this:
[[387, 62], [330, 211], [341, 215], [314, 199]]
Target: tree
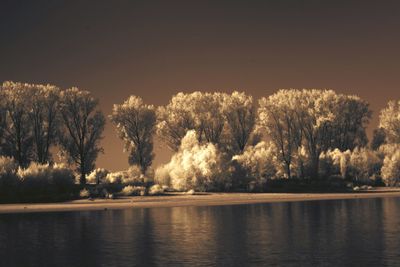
[[198, 166], [277, 115], [17, 135], [364, 164], [83, 127], [175, 119], [207, 109], [44, 117], [135, 122], [391, 168], [258, 163], [3, 118], [305, 123], [378, 138], [239, 111], [389, 121], [196, 111], [349, 128], [315, 115]]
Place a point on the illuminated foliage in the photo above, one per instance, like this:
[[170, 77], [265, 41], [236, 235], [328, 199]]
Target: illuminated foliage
[[83, 125], [135, 123]]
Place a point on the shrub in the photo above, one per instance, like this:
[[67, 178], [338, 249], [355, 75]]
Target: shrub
[[255, 166], [131, 176], [196, 166], [46, 179], [84, 193], [161, 176], [97, 176], [391, 169], [156, 190], [130, 190], [8, 177], [63, 177], [190, 192], [361, 165], [364, 165], [114, 177]]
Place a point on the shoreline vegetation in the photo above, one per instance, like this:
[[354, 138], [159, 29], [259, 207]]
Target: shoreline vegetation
[[293, 141], [197, 199]]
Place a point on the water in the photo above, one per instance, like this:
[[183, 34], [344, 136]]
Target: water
[[363, 232]]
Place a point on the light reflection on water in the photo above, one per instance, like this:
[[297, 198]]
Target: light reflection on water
[[328, 233]]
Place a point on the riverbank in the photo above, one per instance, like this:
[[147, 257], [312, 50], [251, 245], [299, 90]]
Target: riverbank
[[199, 199]]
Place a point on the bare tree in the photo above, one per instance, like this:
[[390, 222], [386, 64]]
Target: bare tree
[[135, 122], [83, 127]]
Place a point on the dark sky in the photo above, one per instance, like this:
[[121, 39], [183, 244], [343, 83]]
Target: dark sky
[[154, 49]]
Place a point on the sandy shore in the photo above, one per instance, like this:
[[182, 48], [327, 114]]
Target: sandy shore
[[179, 200]]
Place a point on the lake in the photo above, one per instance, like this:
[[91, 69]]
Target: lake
[[315, 233]]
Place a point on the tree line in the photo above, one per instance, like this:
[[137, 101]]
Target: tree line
[[218, 139], [34, 118]]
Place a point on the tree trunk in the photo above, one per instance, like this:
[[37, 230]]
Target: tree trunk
[[288, 172], [315, 167], [82, 179]]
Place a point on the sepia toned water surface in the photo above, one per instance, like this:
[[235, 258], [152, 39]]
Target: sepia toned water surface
[[315, 233]]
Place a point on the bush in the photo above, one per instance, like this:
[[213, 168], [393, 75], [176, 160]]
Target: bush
[[84, 193], [8, 173], [63, 177], [156, 190], [8, 177], [254, 167], [391, 169], [114, 177], [361, 165], [294, 185], [364, 165], [97, 176], [161, 176], [130, 190], [132, 176], [43, 182], [195, 166]]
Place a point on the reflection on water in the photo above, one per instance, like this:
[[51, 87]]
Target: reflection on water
[[329, 233]]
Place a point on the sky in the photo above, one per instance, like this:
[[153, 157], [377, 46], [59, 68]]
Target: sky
[[154, 49]]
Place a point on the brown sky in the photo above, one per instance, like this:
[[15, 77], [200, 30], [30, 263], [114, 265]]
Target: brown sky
[[154, 49]]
